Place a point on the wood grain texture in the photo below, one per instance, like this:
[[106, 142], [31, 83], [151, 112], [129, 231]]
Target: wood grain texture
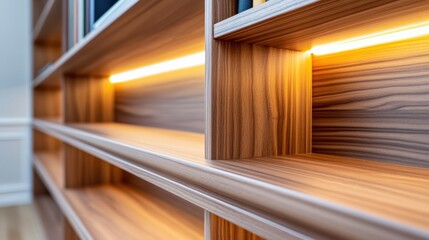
[[346, 191], [44, 142], [124, 212], [302, 24], [373, 103], [260, 101], [82, 169], [173, 100], [134, 39], [222, 229], [47, 103], [87, 99]]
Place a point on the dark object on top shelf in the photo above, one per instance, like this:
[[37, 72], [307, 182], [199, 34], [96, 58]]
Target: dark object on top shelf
[[244, 5]]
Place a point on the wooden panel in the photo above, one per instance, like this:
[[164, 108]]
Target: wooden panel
[[44, 55], [82, 169], [87, 99], [222, 229], [174, 100], [43, 142], [373, 103], [47, 103], [301, 24], [135, 40], [260, 101]]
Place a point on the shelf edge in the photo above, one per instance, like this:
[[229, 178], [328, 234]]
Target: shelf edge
[[219, 187]]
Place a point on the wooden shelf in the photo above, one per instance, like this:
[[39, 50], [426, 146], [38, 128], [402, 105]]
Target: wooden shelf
[[301, 24], [48, 26], [127, 211], [356, 195], [130, 36], [123, 212]]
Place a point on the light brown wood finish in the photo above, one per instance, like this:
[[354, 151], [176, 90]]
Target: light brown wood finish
[[43, 142], [47, 103], [222, 229], [87, 99], [302, 24], [373, 103], [173, 100], [44, 54], [260, 102], [134, 40], [127, 212], [82, 169], [346, 191]]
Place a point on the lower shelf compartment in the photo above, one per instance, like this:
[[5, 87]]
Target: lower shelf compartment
[[124, 212], [132, 209]]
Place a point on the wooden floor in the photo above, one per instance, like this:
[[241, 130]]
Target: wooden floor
[[20, 223]]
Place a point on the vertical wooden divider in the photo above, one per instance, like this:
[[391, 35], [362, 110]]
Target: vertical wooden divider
[[87, 100], [259, 103]]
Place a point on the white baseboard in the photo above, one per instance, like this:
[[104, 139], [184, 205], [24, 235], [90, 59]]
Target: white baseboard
[[15, 198]]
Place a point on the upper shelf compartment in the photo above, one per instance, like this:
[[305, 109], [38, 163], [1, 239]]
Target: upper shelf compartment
[[139, 33], [302, 24], [47, 29]]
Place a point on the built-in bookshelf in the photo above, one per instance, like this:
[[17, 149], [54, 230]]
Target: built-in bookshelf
[[264, 139]]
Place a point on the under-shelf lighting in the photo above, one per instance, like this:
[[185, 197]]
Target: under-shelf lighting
[[188, 61], [402, 33]]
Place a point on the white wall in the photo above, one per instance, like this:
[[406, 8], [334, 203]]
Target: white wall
[[15, 107]]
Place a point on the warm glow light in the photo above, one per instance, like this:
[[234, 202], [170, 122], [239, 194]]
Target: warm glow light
[[392, 35], [188, 61]]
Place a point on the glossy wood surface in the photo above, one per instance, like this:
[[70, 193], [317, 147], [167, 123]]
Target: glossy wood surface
[[172, 100], [87, 99], [301, 24], [128, 211], [373, 103], [347, 191], [131, 214], [260, 102], [133, 41]]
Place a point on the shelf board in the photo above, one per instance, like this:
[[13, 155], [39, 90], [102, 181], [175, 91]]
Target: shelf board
[[357, 195], [48, 25], [301, 24], [131, 38], [123, 212], [127, 211]]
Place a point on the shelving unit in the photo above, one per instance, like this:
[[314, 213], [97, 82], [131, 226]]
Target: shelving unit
[[271, 142]]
